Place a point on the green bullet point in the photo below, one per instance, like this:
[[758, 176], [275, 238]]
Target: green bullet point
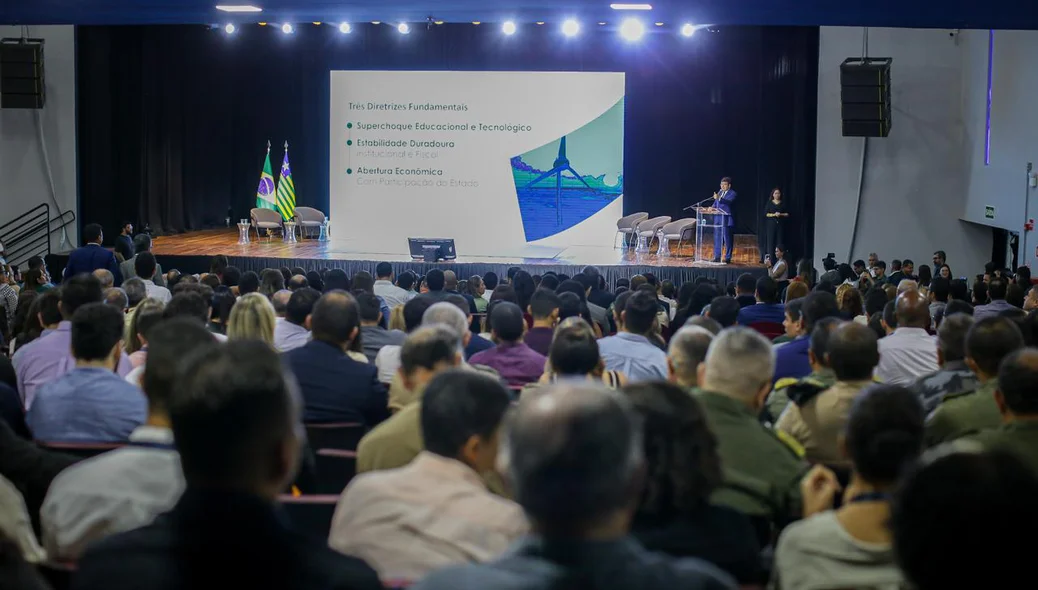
[[349, 142], [349, 171], [349, 125]]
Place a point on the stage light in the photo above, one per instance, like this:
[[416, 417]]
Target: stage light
[[317, 22], [632, 29], [262, 24], [476, 22], [570, 28], [229, 28], [238, 8], [688, 29], [601, 23], [287, 28], [508, 28], [345, 28], [439, 22], [539, 23], [376, 22], [659, 24], [403, 28], [631, 6]]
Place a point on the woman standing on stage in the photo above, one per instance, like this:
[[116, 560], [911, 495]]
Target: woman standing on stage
[[775, 215]]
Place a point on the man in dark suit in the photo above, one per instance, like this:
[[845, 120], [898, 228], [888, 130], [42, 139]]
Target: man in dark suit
[[723, 200], [236, 423], [336, 388], [91, 256]]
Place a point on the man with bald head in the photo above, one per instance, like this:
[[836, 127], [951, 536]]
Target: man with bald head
[[988, 342], [573, 455], [450, 287], [762, 472], [1017, 400], [818, 421], [687, 350], [909, 352]]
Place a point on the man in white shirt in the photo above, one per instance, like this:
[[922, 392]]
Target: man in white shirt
[[909, 352], [435, 511], [293, 330], [384, 287], [630, 351], [128, 487], [144, 265]]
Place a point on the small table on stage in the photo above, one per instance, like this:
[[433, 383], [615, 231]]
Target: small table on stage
[[708, 217], [290, 232], [243, 231]]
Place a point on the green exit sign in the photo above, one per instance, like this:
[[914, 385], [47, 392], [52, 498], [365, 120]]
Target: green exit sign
[[989, 212]]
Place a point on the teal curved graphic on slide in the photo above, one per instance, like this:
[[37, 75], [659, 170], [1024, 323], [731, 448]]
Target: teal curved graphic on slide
[[562, 183]]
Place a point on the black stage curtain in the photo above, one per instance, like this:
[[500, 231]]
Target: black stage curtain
[[173, 120]]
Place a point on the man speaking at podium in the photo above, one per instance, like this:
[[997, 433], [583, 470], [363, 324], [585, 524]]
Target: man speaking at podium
[[723, 200]]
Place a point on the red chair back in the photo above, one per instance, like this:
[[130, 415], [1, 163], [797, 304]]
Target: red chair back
[[769, 330]]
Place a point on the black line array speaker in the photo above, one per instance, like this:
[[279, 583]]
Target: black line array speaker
[[865, 96], [21, 74]]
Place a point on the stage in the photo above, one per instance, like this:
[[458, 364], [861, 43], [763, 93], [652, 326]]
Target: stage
[[191, 251]]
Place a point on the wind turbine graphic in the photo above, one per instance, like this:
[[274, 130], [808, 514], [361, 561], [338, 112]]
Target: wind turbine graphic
[[561, 165]]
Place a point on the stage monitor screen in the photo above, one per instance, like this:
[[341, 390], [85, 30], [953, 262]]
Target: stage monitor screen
[[511, 164], [444, 247]]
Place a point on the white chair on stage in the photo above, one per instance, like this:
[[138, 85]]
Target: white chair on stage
[[310, 221], [625, 226], [675, 230], [646, 231], [266, 219]]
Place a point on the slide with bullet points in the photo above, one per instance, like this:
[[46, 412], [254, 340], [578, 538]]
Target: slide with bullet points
[[506, 163]]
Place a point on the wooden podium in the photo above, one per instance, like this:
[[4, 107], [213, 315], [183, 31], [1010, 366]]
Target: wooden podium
[[712, 218]]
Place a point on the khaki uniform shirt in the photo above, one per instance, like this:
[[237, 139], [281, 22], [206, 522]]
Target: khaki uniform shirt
[[778, 399], [761, 473], [817, 424], [962, 414], [1019, 438]]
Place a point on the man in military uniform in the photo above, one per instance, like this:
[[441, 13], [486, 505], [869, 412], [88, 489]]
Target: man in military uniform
[[954, 377], [820, 379], [1017, 400], [988, 342], [761, 473]]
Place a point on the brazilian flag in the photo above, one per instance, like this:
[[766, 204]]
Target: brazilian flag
[[265, 192], [286, 194]]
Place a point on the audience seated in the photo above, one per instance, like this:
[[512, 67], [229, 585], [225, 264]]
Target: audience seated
[[790, 319], [335, 387], [687, 350], [252, 318], [146, 268], [599, 295], [675, 515], [517, 363], [248, 283], [1017, 399], [141, 244], [791, 359], [766, 308], [573, 457], [997, 300], [116, 297], [427, 352], [852, 547], [817, 420], [724, 310], [225, 532], [128, 487], [988, 342], [372, 335], [105, 277], [544, 307], [90, 403], [805, 388], [954, 376], [745, 290], [435, 511], [958, 509], [909, 352], [630, 351], [297, 282], [574, 355], [388, 358], [475, 343], [50, 357], [761, 472], [293, 330]]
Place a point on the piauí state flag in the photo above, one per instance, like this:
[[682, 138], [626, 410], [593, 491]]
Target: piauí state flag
[[265, 192], [286, 195]]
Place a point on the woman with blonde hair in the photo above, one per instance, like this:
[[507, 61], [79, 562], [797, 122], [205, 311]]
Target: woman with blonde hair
[[252, 317]]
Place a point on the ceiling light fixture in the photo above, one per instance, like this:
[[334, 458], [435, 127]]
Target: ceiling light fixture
[[570, 28], [287, 28], [376, 22], [688, 29], [659, 24], [403, 28], [317, 22], [345, 28], [622, 6], [508, 28], [262, 24], [229, 28], [476, 22], [632, 29], [439, 22], [238, 8]]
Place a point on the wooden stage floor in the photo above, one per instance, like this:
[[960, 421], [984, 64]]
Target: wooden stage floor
[[225, 241]]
